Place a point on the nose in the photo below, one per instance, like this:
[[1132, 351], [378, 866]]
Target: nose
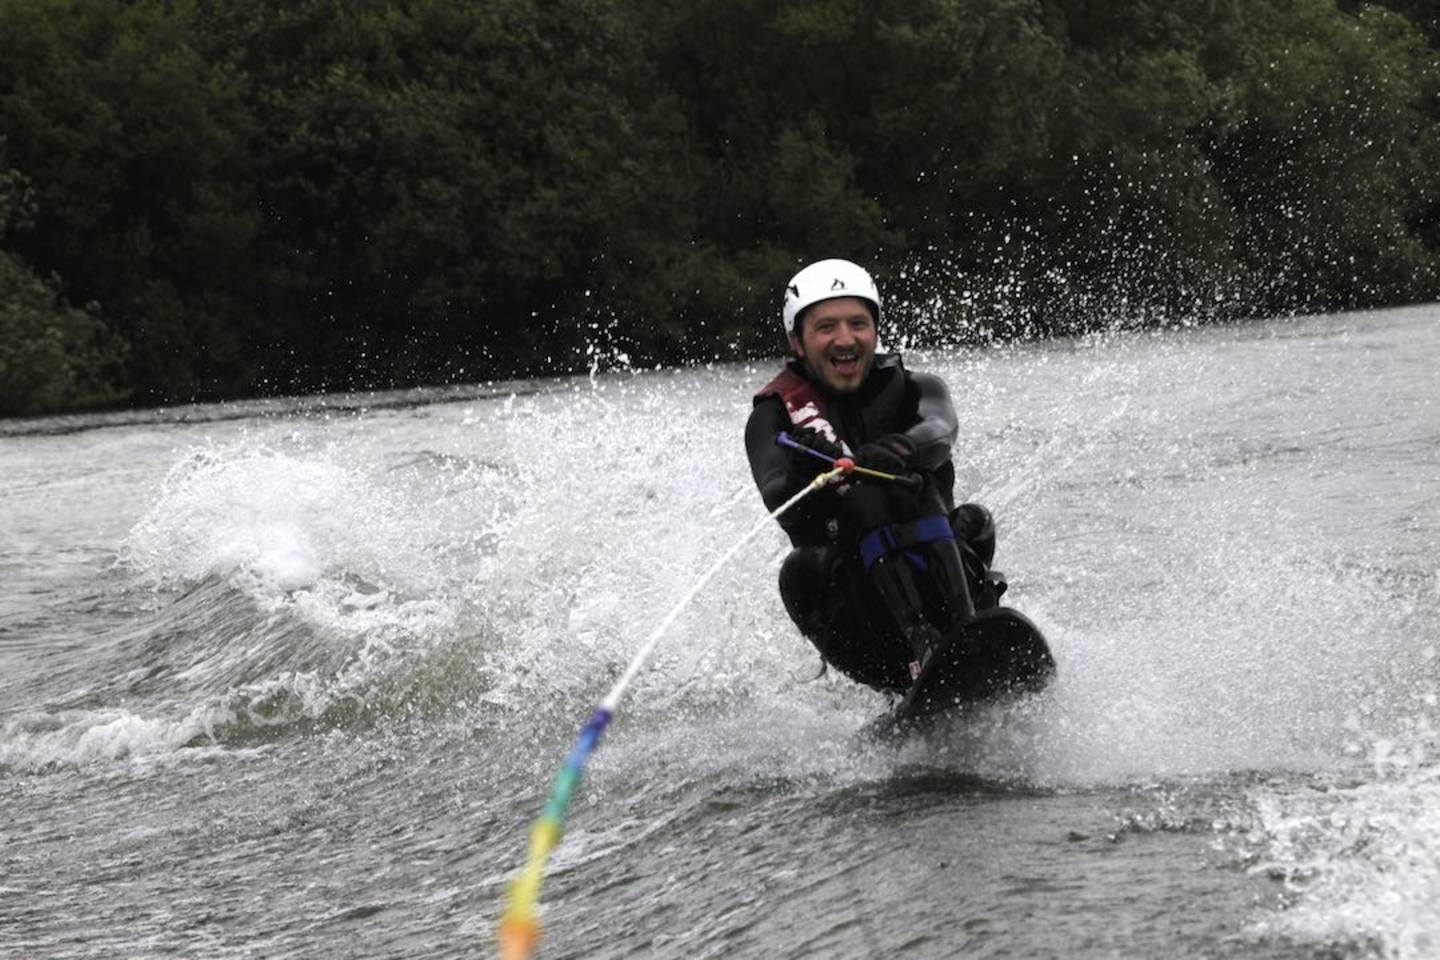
[[844, 336]]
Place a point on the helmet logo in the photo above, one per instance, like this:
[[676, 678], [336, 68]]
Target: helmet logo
[[838, 284], [794, 291]]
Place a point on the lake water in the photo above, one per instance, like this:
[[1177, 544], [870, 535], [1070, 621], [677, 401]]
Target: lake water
[[292, 678]]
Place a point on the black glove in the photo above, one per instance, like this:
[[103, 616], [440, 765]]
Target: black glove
[[892, 453], [802, 467]]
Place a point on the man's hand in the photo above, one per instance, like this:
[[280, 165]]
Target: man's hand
[[892, 453], [802, 467]]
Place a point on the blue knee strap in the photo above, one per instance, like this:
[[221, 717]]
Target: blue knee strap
[[882, 540]]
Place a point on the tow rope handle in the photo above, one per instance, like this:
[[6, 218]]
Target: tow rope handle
[[848, 466]]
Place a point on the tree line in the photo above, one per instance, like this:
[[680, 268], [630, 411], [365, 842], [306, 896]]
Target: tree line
[[205, 199]]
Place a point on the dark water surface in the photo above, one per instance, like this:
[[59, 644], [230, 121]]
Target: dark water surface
[[291, 678]]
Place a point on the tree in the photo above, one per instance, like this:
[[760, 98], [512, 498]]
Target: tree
[[53, 357], [133, 144]]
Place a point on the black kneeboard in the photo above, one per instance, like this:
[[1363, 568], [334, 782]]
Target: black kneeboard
[[996, 652]]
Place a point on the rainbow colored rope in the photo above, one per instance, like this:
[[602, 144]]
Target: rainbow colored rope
[[519, 931]]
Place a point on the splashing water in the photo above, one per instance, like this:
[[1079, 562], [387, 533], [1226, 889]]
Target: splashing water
[[370, 636]]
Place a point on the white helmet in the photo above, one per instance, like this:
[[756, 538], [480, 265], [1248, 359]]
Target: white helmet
[[827, 280]]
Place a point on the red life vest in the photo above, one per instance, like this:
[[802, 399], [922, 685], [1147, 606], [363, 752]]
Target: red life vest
[[804, 403]]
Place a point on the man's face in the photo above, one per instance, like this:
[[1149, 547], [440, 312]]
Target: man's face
[[837, 342]]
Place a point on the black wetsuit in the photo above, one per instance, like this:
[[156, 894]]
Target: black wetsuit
[[824, 582]]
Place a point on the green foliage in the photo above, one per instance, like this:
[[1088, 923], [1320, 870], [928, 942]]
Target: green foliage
[[1325, 149], [52, 356], [129, 136], [280, 195]]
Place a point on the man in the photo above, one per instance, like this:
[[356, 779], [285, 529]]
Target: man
[[877, 573]]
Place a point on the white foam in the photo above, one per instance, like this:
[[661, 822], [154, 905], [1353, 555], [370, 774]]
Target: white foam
[[83, 737], [1362, 863], [75, 738], [276, 520]]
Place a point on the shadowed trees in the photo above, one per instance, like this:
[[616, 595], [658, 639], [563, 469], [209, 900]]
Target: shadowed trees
[[206, 198]]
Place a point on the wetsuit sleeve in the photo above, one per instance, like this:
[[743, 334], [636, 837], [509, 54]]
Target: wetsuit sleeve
[[767, 458], [935, 434], [805, 522]]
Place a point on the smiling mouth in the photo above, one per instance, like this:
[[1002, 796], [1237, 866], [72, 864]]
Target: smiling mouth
[[846, 362]]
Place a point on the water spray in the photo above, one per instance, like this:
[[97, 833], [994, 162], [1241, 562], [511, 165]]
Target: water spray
[[519, 929]]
